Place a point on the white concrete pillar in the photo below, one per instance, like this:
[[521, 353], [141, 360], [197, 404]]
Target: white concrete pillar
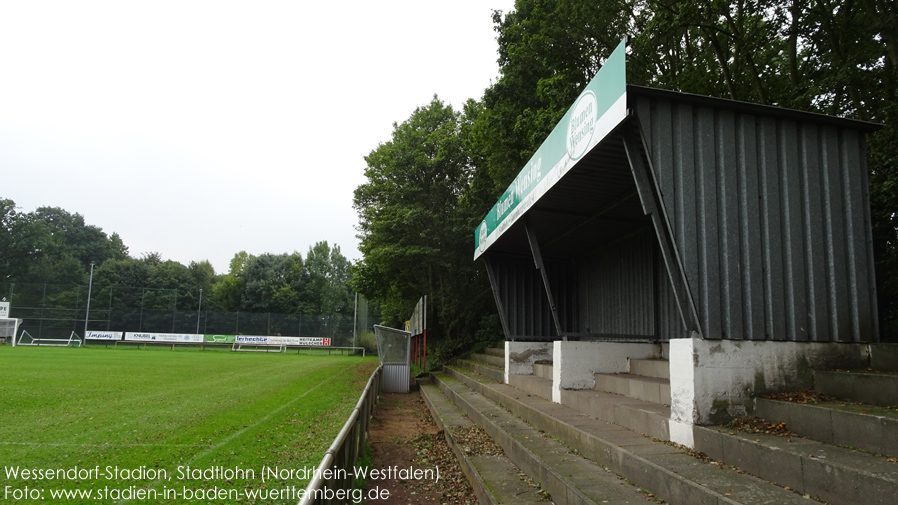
[[683, 410]]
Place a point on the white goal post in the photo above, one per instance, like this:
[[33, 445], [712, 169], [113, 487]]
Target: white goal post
[[255, 347], [8, 329], [73, 341]]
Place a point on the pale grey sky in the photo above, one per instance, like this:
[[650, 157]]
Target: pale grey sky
[[197, 129]]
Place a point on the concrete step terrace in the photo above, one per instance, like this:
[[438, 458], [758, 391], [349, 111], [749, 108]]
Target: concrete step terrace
[[494, 351], [498, 361], [650, 389], [569, 478], [658, 368], [826, 472], [494, 478], [492, 371], [669, 472], [875, 388], [859, 426]]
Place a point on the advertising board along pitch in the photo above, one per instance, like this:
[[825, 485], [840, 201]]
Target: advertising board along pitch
[[164, 337], [103, 335], [278, 340]]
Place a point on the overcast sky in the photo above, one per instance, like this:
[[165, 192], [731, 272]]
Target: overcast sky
[[198, 129]]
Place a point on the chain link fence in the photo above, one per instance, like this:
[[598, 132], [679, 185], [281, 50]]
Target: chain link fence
[[54, 311]]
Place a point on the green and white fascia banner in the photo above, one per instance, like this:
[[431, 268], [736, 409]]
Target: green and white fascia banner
[[219, 339], [598, 110]]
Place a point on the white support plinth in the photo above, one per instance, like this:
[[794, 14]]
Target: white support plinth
[[576, 363], [520, 356], [713, 381]]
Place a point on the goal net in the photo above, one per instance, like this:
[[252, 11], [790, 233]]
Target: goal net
[[8, 330], [27, 339]]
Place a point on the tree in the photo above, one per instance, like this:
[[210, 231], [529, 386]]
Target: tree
[[22, 241], [51, 245], [228, 288], [328, 294], [327, 278], [86, 243], [272, 283], [415, 226]]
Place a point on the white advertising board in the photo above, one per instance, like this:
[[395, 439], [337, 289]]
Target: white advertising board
[[188, 338], [103, 335], [278, 340]]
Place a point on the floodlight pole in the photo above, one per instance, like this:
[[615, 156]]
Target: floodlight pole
[[200, 306], [90, 285]]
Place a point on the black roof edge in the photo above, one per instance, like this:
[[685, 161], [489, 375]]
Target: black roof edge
[[754, 108]]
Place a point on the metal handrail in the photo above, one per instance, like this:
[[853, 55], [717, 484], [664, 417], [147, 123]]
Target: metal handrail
[[341, 456]]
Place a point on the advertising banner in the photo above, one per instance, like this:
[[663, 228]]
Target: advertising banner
[[278, 340], [598, 110], [219, 339], [418, 322], [300, 341], [187, 338], [103, 335], [252, 339]]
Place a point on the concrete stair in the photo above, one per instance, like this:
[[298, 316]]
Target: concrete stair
[[494, 478], [648, 380], [840, 452], [495, 351], [843, 451], [490, 359], [486, 369], [543, 370], [865, 386], [865, 427], [579, 458], [567, 477]]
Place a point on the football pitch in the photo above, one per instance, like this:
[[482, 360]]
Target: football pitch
[[98, 425]]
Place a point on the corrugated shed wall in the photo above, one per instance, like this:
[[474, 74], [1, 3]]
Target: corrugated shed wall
[[771, 219], [524, 298], [396, 378], [617, 287]]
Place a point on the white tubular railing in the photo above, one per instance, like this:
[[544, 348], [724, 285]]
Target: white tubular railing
[[339, 460]]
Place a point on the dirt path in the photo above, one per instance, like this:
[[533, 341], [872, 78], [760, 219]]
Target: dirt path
[[403, 435]]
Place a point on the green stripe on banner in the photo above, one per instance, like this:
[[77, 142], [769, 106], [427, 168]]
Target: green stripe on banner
[[219, 339], [598, 110]]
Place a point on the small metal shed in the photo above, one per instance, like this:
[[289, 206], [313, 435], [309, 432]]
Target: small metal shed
[[650, 215], [393, 350]]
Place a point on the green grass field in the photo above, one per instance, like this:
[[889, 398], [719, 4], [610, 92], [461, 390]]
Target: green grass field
[[155, 412]]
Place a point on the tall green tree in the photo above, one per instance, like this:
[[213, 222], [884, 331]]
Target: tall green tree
[[272, 283], [327, 280], [415, 225], [328, 293], [51, 245], [21, 241]]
